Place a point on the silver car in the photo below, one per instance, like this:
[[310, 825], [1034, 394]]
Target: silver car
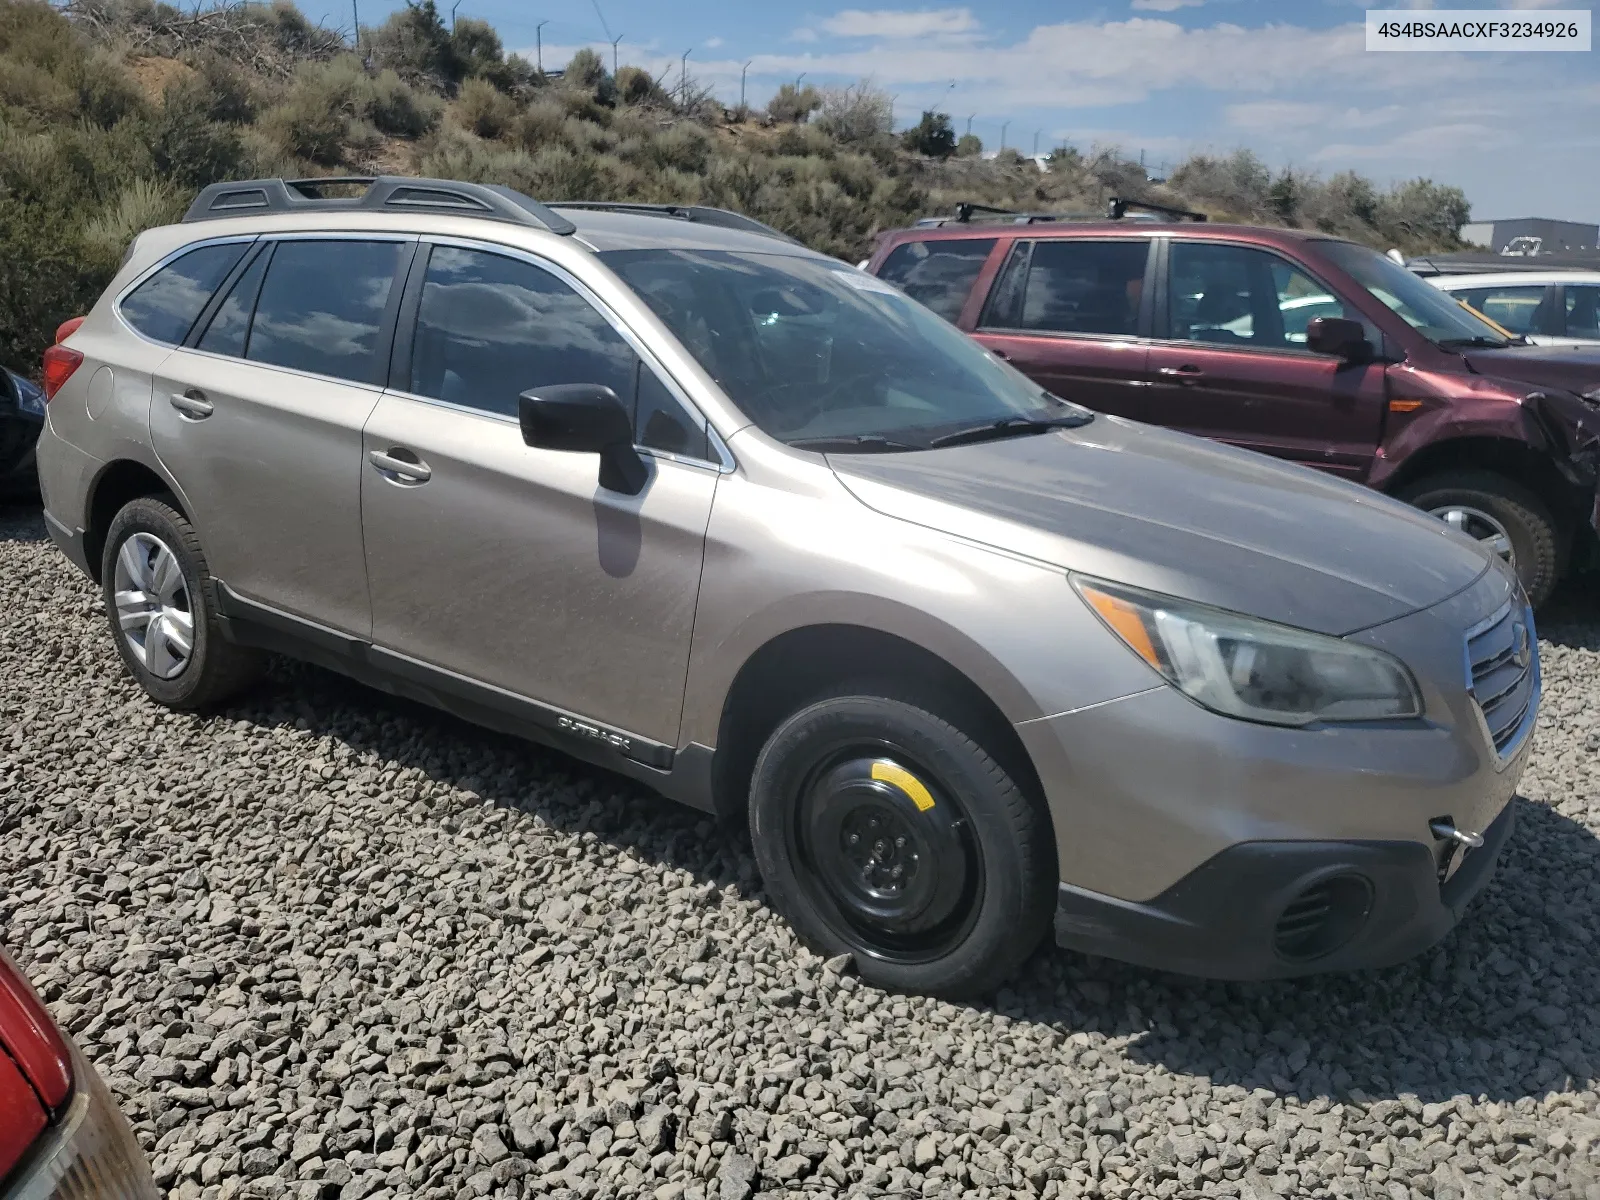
[[664, 489]]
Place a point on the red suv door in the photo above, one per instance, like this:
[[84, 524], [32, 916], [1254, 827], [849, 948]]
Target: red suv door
[[1070, 313], [1230, 360]]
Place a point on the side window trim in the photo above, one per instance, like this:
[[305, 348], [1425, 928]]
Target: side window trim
[[1163, 327], [399, 367], [220, 296], [172, 256], [1025, 247]]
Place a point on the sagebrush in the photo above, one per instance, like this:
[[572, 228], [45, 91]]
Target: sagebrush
[[114, 112]]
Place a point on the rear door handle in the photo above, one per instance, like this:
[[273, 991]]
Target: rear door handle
[[1188, 373], [192, 404], [1001, 354], [410, 470]]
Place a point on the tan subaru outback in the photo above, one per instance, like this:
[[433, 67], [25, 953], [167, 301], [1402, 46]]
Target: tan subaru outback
[[664, 489]]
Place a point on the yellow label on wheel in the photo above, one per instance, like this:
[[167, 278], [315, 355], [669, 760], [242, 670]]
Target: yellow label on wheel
[[904, 780]]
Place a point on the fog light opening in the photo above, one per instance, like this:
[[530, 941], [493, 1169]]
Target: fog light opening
[[1323, 917]]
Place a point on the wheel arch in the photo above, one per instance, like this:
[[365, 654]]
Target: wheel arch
[[795, 666], [1518, 461], [116, 483]]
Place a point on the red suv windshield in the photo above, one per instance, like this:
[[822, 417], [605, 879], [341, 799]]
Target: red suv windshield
[[1431, 312]]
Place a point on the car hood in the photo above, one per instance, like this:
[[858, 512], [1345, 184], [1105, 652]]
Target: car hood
[[1574, 368], [1175, 514]]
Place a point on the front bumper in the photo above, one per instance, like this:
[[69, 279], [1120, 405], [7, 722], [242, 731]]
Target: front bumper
[[1270, 910]]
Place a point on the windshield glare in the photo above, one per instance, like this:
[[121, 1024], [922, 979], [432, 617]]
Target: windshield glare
[[812, 350], [1431, 312]]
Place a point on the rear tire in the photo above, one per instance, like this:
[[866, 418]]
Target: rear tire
[[1485, 503], [886, 832], [162, 605]]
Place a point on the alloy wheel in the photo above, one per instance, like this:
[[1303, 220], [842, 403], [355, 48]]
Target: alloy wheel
[[154, 612], [1480, 526]]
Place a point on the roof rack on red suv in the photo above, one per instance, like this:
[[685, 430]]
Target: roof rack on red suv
[[1117, 209]]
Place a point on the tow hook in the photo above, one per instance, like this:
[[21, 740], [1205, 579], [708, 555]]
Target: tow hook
[[1457, 843]]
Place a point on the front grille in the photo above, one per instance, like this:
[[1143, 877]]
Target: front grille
[[1504, 688]]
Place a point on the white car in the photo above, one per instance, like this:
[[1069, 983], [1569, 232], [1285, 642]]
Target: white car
[[1549, 308]]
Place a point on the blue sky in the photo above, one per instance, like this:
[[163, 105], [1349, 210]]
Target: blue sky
[[1290, 79]]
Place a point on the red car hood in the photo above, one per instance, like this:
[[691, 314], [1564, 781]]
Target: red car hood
[[1571, 368]]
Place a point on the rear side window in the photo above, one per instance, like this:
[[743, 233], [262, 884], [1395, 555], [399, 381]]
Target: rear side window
[[1069, 285], [321, 307], [490, 327], [1583, 311], [229, 328], [939, 274], [164, 306]]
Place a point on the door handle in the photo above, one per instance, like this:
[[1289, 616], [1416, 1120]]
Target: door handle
[[192, 404], [411, 470], [1186, 374], [1001, 354]]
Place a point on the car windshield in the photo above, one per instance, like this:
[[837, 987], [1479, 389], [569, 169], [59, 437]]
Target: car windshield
[[825, 356], [1434, 314]]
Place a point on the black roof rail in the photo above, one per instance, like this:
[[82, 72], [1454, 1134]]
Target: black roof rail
[[683, 212], [1118, 208], [384, 193]]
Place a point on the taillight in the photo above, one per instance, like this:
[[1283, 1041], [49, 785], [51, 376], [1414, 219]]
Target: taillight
[[30, 1037], [67, 328], [59, 364]]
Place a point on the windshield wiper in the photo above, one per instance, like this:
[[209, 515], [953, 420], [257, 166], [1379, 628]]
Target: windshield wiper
[[1009, 427], [1478, 341], [855, 443]]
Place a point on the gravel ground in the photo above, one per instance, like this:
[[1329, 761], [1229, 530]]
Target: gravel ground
[[329, 944]]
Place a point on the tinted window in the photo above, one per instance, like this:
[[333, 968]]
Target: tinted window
[[939, 274], [1583, 311], [321, 307], [1072, 286], [491, 327], [226, 333], [1236, 296], [660, 422], [1519, 309], [164, 306]]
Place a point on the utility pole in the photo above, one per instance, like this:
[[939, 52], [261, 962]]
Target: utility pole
[[1003, 127], [1036, 134], [892, 100], [614, 43], [969, 125], [683, 81], [743, 71], [453, 8], [538, 43], [797, 80], [355, 15]]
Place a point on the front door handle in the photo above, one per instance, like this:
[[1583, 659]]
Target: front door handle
[[192, 404], [409, 469], [1186, 374]]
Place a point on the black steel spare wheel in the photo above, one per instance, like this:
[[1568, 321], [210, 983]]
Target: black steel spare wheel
[[890, 855]]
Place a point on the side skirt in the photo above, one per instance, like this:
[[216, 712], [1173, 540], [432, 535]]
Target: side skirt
[[682, 775]]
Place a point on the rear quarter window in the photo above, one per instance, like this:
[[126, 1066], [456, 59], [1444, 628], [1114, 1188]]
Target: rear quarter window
[[164, 306], [938, 274]]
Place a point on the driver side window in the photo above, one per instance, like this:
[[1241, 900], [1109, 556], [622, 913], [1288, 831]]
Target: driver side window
[[489, 327], [1238, 296]]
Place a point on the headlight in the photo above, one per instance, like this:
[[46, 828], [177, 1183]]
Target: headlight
[[1251, 669]]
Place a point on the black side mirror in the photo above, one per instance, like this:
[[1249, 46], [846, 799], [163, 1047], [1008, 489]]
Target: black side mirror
[[585, 418], [1338, 336]]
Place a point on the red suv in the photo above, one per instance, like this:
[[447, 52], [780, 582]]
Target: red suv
[[62, 1136], [1288, 342]]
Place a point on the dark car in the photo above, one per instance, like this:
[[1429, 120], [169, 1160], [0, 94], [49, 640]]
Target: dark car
[[62, 1136], [1292, 343], [21, 419]]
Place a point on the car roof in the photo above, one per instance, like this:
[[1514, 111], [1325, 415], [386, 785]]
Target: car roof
[[1501, 278]]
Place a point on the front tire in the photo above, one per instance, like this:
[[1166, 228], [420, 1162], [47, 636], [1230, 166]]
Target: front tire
[[1503, 515], [886, 832], [161, 602]]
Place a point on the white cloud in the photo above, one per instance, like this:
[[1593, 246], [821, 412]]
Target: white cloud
[[899, 25], [713, 43], [1166, 5]]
